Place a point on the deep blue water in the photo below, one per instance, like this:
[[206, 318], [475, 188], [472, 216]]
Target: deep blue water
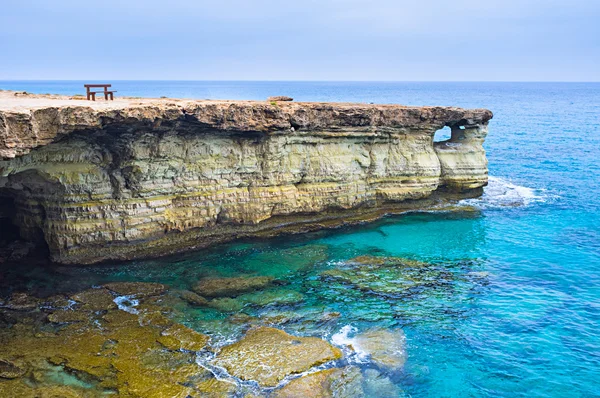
[[519, 314]]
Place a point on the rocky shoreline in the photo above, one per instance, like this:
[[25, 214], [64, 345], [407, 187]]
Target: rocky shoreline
[[139, 177], [241, 335], [120, 339]]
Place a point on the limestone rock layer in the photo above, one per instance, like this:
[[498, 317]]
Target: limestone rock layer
[[150, 177]]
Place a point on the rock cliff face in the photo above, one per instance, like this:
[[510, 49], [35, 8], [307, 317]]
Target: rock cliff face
[[133, 179]]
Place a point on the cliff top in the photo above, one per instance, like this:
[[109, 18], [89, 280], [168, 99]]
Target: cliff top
[[20, 101], [31, 120]]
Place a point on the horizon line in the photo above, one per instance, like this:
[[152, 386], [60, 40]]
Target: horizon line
[[306, 81]]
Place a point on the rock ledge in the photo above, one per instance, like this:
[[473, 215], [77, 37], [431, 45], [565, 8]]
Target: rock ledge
[[144, 177]]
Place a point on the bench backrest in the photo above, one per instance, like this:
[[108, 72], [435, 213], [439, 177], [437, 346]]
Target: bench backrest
[[96, 85]]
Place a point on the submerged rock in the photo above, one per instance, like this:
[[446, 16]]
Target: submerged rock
[[377, 261], [96, 299], [69, 316], [110, 352], [179, 337], [330, 316], [193, 298], [272, 296], [281, 263], [386, 348], [326, 383], [241, 318], [267, 355], [230, 287], [368, 260], [9, 370], [214, 388], [388, 275], [226, 304], [22, 302], [57, 302], [136, 289], [52, 391], [280, 318], [378, 385]]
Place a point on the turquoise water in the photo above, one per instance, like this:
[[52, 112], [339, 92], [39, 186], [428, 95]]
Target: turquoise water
[[510, 303]]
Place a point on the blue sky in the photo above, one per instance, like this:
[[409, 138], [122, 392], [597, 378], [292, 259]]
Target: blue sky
[[494, 40]]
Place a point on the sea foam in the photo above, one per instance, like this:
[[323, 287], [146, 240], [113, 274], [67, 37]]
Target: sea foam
[[501, 192], [349, 345], [127, 304]]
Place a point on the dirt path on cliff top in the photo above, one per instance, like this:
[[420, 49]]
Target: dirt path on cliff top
[[23, 101], [20, 101]]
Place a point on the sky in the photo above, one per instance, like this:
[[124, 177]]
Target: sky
[[383, 40]]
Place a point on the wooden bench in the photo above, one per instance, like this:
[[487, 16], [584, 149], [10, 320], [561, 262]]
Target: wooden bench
[[92, 94]]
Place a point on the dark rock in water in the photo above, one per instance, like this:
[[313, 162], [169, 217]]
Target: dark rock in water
[[241, 318], [21, 302], [193, 298], [267, 355], [273, 296], [270, 297], [56, 302], [289, 261], [330, 316], [15, 251], [388, 275], [280, 318], [96, 299], [280, 98], [136, 289], [377, 260], [230, 287], [226, 304], [9, 370]]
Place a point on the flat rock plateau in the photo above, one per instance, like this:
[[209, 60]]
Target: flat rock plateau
[[132, 178]]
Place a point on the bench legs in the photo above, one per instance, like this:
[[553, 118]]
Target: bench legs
[[107, 95]]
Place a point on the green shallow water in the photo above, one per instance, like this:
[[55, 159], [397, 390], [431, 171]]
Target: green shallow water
[[479, 319], [509, 304]]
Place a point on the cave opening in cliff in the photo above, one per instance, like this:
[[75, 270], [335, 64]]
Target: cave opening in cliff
[[14, 242], [443, 134], [450, 133], [9, 231]]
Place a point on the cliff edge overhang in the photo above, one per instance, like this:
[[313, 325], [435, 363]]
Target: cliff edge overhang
[[139, 177]]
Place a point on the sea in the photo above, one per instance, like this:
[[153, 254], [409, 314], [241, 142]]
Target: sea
[[509, 305]]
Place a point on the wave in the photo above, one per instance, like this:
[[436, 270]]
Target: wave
[[501, 192], [349, 346], [127, 304]]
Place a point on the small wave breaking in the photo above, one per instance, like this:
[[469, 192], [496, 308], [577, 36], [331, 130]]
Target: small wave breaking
[[127, 304], [349, 345], [501, 192]]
